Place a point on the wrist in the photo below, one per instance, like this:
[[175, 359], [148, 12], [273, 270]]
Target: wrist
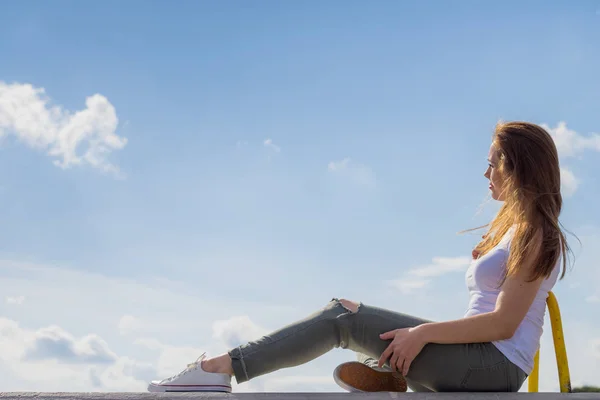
[[425, 332]]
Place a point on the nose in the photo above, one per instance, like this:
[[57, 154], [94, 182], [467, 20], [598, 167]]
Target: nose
[[487, 173]]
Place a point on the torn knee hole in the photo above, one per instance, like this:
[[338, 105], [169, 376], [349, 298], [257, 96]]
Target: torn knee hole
[[351, 306]]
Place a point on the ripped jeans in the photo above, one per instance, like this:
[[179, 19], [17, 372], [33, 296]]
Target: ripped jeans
[[468, 367]]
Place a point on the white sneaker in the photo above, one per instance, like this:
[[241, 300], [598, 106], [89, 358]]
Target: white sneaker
[[193, 379]]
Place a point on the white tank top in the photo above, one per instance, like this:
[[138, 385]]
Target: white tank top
[[483, 277]]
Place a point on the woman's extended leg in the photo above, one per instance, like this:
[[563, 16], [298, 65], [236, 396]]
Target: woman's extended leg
[[341, 323]]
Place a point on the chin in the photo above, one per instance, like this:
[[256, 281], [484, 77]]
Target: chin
[[495, 196]]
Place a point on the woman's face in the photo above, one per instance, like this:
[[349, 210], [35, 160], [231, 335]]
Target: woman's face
[[493, 175]]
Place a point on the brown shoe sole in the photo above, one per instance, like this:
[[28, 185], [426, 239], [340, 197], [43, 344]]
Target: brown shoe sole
[[364, 378]]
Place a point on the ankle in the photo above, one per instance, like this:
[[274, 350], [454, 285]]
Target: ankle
[[219, 365]]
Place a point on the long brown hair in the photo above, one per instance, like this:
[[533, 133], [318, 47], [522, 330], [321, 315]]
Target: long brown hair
[[529, 166]]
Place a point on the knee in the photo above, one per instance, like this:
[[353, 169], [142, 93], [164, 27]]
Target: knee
[[349, 305]]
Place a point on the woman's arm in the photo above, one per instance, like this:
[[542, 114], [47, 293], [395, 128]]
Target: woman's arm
[[514, 300]]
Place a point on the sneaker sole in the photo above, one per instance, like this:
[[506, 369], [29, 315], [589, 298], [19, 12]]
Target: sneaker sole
[[188, 388], [358, 377]]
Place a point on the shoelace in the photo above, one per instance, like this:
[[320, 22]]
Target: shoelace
[[190, 367]]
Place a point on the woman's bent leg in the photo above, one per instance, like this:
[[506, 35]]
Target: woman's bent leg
[[438, 367]]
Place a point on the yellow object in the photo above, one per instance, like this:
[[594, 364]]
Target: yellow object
[[562, 363], [534, 377]]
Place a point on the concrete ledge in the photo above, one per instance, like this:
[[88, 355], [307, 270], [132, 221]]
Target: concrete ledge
[[297, 396]]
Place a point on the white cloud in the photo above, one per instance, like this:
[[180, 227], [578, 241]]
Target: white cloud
[[407, 286], [124, 374], [570, 143], [237, 330], [338, 165], [441, 266], [70, 137], [15, 300], [569, 183], [269, 143], [593, 299], [50, 358], [54, 343], [171, 359], [357, 173], [595, 345], [129, 324], [420, 277]]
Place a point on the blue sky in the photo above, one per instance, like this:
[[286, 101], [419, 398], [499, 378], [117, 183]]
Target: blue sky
[[264, 157]]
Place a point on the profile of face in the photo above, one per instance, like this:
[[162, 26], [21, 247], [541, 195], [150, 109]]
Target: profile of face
[[494, 176]]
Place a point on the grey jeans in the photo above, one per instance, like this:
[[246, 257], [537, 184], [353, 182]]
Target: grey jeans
[[472, 367]]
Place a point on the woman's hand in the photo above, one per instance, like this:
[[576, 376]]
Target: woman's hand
[[407, 343]]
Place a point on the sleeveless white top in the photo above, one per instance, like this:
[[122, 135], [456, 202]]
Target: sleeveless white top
[[483, 277]]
